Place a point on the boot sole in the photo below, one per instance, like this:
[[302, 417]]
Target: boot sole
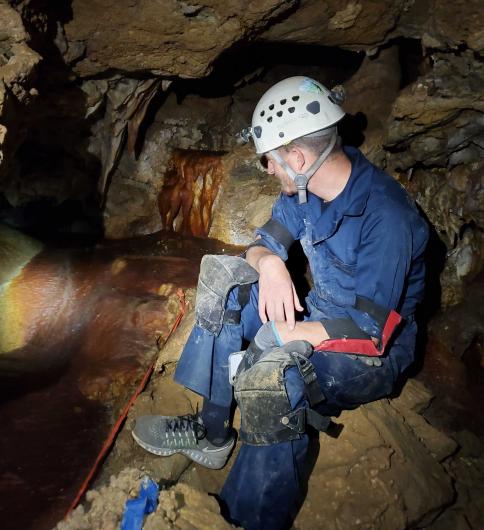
[[194, 454]]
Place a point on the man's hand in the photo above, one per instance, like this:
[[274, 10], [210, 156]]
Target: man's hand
[[277, 295]]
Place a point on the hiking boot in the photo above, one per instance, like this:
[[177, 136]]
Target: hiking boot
[[167, 435]]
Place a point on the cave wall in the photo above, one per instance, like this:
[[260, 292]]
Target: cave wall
[[97, 97]]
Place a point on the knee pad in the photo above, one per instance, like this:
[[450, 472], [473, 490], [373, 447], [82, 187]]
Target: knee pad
[[218, 275], [267, 416]]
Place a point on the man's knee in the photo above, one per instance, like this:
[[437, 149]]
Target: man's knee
[[272, 394], [218, 277]]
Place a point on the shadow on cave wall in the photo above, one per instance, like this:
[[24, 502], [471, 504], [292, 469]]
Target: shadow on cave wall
[[435, 256], [53, 192], [245, 62]]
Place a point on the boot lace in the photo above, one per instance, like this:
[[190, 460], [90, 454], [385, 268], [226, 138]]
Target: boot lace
[[187, 424]]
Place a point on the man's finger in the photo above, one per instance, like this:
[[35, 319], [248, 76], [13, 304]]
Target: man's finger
[[297, 303], [279, 312], [290, 316], [262, 310]]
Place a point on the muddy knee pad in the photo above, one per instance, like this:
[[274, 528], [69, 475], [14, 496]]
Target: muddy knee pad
[[218, 276], [267, 416]]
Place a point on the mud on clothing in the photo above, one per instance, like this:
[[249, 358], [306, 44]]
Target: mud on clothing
[[365, 245]]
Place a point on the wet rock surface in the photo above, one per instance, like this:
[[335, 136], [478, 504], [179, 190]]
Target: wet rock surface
[[78, 330]]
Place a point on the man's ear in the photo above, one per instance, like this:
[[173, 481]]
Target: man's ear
[[300, 158]]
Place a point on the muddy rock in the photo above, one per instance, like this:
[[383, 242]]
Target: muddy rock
[[439, 114], [179, 507], [18, 64], [453, 200], [379, 459], [246, 198], [168, 38], [378, 74], [184, 507], [356, 24]]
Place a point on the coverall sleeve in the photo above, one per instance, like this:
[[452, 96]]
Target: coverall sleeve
[[284, 227], [383, 262]]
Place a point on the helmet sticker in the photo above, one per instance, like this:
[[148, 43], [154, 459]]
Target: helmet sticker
[[308, 85]]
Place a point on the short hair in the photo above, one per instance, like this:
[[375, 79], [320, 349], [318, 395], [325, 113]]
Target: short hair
[[315, 143]]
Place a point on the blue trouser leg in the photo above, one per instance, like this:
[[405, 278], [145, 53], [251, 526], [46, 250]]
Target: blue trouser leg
[[203, 365], [263, 485]]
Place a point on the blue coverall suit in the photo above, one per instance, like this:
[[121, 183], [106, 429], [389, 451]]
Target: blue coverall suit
[[368, 242]]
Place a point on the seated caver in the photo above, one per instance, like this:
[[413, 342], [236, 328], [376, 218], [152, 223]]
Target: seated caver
[[364, 240]]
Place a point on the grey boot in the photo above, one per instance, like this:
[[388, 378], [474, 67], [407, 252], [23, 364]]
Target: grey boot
[[167, 435]]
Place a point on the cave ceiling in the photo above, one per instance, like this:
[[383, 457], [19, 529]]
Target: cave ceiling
[[178, 38]]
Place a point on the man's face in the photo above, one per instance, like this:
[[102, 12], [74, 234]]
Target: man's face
[[273, 168]]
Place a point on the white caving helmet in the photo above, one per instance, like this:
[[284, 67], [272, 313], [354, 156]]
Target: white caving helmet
[[295, 107]]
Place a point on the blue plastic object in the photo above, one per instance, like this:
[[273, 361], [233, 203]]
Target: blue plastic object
[[145, 503]]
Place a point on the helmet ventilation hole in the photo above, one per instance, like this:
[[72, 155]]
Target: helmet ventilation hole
[[279, 113], [295, 98], [283, 101], [314, 107], [262, 113], [281, 135], [291, 109], [269, 119], [271, 107]]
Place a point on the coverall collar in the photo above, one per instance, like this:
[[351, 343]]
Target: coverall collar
[[351, 201]]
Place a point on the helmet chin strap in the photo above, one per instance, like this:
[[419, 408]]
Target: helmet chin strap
[[301, 179]]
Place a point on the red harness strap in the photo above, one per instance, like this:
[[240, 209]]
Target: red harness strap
[[363, 346]]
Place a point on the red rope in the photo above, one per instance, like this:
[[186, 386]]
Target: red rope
[[115, 430]]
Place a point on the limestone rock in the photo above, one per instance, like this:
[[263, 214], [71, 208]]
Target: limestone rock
[[131, 210], [467, 471], [358, 24], [415, 397], [444, 31], [376, 475], [180, 507], [246, 199], [439, 444], [380, 75], [457, 217], [165, 38], [18, 64], [440, 114]]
